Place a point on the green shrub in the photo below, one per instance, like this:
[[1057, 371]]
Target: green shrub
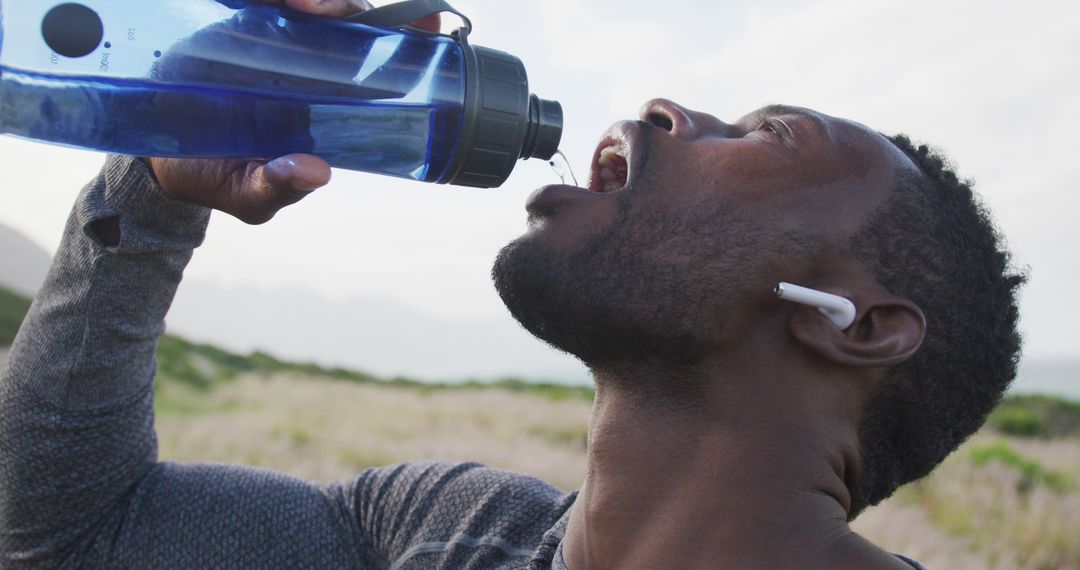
[[1031, 471], [1018, 421], [13, 308], [1037, 416]]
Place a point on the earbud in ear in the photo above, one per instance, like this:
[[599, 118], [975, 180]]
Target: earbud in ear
[[839, 310]]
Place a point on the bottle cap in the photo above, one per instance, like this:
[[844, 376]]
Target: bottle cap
[[502, 122]]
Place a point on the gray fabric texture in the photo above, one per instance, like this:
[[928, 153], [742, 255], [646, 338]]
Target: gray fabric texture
[[80, 482]]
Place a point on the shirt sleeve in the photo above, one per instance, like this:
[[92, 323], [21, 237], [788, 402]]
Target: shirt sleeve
[[438, 514], [80, 484]]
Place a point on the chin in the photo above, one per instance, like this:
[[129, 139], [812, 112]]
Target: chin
[[579, 303]]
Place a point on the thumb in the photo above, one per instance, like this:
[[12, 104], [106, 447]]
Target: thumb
[[338, 8], [269, 187]]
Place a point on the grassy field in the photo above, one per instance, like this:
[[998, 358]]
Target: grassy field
[[1008, 499], [1002, 501]]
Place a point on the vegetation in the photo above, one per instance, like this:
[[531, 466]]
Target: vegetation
[[202, 365], [1037, 416], [13, 308], [1031, 471], [1000, 502]]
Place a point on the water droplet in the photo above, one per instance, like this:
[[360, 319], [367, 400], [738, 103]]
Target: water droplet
[[561, 166]]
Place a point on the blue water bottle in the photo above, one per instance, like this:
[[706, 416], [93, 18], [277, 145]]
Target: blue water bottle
[[236, 78]]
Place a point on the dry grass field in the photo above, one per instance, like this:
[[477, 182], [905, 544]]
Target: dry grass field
[[998, 503]]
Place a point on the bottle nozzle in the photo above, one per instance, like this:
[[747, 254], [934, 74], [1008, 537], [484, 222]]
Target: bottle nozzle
[[544, 130]]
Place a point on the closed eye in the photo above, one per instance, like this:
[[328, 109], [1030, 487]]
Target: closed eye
[[770, 126], [773, 125]]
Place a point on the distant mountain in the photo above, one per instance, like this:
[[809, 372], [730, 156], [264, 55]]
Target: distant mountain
[[204, 365], [408, 343], [23, 263], [365, 333], [369, 333]]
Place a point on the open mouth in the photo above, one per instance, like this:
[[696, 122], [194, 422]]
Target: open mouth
[[616, 166], [610, 167]]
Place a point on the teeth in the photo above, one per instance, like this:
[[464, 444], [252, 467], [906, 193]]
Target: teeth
[[608, 155], [612, 169]]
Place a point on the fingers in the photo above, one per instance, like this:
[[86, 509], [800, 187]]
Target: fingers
[[432, 23], [336, 8], [342, 8], [267, 188], [304, 172]]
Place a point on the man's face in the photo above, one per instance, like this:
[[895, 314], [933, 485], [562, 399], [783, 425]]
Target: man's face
[[687, 225]]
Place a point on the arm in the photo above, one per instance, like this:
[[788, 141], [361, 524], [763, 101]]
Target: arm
[[80, 483]]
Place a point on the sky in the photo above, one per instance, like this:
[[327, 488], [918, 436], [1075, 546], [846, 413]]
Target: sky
[[993, 84]]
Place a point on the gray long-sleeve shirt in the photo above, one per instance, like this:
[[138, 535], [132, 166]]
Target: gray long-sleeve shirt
[[80, 483]]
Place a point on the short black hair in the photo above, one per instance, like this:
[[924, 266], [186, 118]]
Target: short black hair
[[933, 243]]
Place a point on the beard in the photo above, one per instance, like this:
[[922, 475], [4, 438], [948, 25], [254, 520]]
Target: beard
[[652, 287]]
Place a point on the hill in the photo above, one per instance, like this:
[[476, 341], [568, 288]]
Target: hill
[[201, 366], [377, 334], [24, 263]]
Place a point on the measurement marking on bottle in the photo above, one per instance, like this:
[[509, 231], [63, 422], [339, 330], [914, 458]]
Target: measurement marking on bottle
[[131, 34], [54, 58]]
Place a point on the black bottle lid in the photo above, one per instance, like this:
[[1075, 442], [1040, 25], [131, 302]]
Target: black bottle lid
[[502, 120]]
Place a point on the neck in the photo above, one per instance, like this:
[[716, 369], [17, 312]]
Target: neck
[[713, 477]]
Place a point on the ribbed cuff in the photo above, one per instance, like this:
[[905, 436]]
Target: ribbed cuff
[[150, 219]]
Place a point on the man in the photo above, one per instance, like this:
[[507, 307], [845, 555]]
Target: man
[[731, 429]]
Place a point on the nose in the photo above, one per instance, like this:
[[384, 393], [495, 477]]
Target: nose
[[669, 116], [678, 120]]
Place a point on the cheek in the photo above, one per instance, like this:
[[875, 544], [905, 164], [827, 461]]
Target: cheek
[[707, 178]]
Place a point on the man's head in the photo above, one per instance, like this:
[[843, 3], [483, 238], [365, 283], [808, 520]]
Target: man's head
[[674, 262], [682, 259]]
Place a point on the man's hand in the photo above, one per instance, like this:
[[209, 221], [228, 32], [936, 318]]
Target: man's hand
[[251, 190], [254, 190]]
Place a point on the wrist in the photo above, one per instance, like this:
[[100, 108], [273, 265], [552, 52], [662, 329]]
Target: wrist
[[126, 209]]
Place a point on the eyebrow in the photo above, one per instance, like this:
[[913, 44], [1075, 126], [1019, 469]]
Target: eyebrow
[[774, 110]]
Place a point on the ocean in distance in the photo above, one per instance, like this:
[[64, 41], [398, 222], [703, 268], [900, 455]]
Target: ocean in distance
[[1057, 377]]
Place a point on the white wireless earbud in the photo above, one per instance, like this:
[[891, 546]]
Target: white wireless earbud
[[838, 309]]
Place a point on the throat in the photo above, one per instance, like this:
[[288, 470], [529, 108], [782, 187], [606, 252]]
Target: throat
[[676, 488]]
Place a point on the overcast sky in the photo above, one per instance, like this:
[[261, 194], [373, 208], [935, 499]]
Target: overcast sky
[[994, 84]]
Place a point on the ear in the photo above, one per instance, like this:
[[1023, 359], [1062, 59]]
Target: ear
[[887, 331]]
